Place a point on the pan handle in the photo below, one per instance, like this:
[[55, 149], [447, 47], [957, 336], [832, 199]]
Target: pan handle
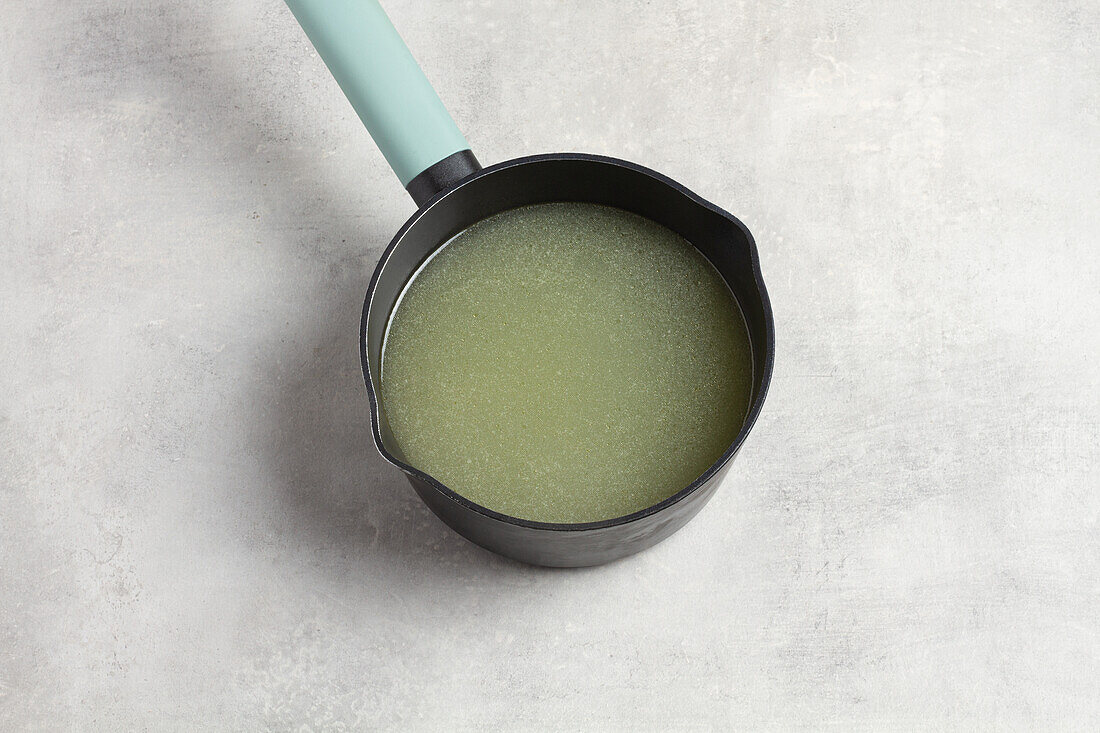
[[389, 92]]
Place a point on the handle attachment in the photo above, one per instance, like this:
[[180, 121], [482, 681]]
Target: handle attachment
[[389, 92]]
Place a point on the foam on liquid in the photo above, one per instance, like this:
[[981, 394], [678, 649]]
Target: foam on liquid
[[566, 362]]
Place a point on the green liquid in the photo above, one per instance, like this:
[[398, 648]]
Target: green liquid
[[566, 362]]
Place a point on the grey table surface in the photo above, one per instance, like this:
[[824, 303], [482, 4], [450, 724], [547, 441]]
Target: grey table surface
[[196, 532]]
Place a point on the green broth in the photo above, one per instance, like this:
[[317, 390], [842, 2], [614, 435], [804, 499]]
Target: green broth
[[566, 362]]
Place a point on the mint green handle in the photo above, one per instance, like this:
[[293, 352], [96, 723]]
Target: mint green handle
[[382, 81]]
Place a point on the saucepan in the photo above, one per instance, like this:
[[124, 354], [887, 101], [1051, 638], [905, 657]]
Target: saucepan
[[452, 191]]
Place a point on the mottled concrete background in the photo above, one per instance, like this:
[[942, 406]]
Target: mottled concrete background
[[195, 532]]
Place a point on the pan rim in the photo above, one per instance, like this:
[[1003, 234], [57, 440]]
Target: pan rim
[[751, 416]]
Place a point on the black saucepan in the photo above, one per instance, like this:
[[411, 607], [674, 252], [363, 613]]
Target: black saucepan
[[452, 192]]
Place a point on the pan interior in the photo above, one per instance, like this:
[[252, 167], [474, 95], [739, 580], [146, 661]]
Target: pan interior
[[566, 362]]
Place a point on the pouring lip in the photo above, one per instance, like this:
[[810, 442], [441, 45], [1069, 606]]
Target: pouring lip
[[750, 418]]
